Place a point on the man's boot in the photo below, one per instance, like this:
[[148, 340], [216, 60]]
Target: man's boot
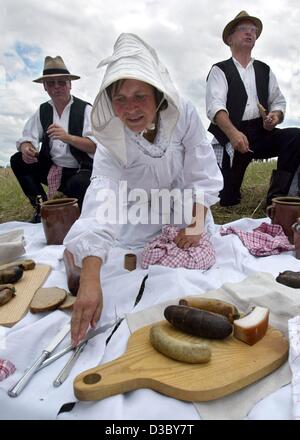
[[280, 183]]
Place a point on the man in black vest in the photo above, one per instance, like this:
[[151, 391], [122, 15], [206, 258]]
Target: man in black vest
[[64, 161], [245, 104]]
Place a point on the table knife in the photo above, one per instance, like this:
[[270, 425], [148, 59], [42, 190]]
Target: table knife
[[91, 334], [62, 376], [20, 385]]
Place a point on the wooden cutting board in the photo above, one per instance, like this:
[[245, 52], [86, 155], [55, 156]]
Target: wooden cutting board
[[233, 365], [14, 310]]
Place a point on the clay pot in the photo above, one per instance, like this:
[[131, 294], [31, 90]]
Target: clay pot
[[285, 211], [130, 261], [57, 217], [296, 229]]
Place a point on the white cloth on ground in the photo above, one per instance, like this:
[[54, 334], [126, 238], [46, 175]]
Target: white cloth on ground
[[120, 287]]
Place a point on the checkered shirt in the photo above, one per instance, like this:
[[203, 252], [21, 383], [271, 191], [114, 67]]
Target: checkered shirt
[[219, 152]]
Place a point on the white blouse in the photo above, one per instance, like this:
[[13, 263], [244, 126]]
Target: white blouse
[[188, 162]]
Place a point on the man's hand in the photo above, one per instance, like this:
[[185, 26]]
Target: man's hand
[[239, 141], [29, 153], [57, 132], [271, 120]]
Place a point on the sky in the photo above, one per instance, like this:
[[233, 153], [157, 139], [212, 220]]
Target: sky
[[187, 36]]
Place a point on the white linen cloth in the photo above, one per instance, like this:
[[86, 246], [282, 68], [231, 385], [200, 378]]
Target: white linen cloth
[[59, 151], [120, 287], [294, 361], [11, 245]]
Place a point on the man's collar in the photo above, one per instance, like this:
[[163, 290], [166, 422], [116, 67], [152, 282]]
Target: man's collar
[[237, 63], [68, 105]]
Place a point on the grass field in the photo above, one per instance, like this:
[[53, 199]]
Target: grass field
[[15, 206]]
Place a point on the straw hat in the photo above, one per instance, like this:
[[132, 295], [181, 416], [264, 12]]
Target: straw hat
[[243, 15], [55, 67]]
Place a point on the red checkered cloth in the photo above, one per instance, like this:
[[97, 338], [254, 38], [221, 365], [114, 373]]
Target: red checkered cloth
[[53, 179], [6, 368], [264, 240], [162, 250]]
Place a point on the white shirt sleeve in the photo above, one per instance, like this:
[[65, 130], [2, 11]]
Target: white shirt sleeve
[[91, 235], [201, 171], [32, 131], [216, 92], [276, 99], [87, 126]]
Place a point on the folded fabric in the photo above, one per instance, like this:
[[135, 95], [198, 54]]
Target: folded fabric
[[11, 245], [294, 361], [6, 368], [264, 240], [163, 250]]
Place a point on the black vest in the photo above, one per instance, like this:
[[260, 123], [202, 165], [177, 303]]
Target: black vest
[[76, 121], [237, 95]]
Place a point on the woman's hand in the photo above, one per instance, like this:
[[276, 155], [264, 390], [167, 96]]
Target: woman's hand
[[185, 239], [88, 305], [190, 236]]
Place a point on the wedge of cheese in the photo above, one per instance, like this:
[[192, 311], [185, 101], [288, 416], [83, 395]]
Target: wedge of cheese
[[253, 327]]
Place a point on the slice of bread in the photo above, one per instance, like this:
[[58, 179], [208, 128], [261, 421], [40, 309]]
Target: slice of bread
[[47, 298]]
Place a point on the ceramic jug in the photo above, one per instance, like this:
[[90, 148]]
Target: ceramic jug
[[57, 217], [296, 229], [285, 211]]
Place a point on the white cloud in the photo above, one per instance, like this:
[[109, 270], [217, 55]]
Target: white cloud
[[186, 35]]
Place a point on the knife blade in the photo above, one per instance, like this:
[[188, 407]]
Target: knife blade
[[91, 334], [20, 385]]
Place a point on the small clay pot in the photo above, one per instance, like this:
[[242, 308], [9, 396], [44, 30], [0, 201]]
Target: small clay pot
[[130, 261], [57, 217], [285, 211]]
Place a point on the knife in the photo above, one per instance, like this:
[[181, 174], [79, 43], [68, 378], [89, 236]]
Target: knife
[[62, 376], [20, 385], [91, 334]]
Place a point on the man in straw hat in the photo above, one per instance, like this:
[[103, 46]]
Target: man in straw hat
[[245, 104], [63, 126]]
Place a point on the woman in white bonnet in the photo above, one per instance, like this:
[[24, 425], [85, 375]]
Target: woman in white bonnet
[[149, 139]]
